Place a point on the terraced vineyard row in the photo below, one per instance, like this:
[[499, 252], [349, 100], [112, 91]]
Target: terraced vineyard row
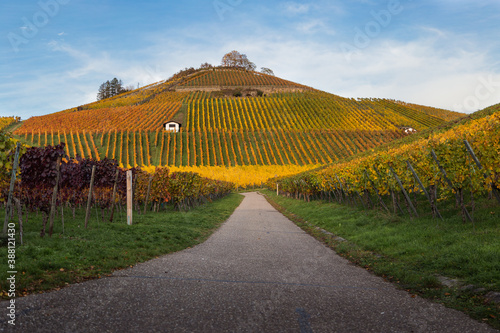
[[231, 77], [440, 113], [462, 162], [300, 111], [293, 126], [214, 147], [148, 116], [419, 117], [141, 103], [286, 111]]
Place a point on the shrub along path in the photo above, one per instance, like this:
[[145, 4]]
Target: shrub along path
[[258, 273]]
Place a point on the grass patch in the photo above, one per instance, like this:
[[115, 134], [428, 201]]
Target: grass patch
[[80, 254], [413, 253]]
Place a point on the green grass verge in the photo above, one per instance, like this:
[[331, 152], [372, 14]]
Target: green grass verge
[[80, 254], [412, 253]]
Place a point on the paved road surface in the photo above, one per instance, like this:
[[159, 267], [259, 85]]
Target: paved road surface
[[258, 273]]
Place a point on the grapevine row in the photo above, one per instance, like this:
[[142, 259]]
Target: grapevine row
[[47, 174], [462, 159], [214, 147], [149, 117], [231, 77], [304, 111]]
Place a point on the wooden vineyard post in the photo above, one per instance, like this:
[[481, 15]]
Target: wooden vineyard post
[[352, 199], [422, 187], [113, 196], [20, 217], [277, 185], [62, 218], [147, 194], [129, 198], [11, 188], [474, 157], [450, 184], [367, 193], [341, 187], [362, 200], [353, 196], [89, 200], [332, 190], [134, 183], [404, 191], [337, 189], [378, 193], [54, 196], [395, 202]]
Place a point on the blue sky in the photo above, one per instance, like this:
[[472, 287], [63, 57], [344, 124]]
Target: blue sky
[[54, 54]]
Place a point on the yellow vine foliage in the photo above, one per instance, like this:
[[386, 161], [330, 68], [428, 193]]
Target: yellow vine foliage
[[6, 121], [282, 124], [148, 116], [483, 135], [308, 110], [244, 175]]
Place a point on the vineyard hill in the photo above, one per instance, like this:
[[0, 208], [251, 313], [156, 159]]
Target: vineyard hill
[[229, 117]]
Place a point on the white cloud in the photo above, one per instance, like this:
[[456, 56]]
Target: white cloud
[[315, 26], [295, 8], [315, 8], [430, 71], [439, 69]]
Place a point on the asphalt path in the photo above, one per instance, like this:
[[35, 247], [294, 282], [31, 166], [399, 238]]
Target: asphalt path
[[258, 273]]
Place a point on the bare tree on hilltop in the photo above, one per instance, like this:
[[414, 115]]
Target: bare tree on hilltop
[[206, 66], [236, 59], [266, 70]]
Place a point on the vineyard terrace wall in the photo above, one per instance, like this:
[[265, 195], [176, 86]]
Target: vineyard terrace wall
[[265, 89]]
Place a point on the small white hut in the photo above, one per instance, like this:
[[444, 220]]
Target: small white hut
[[408, 130], [172, 126]]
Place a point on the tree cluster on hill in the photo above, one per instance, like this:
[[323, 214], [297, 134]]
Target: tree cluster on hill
[[238, 60], [111, 88], [184, 72], [266, 70], [233, 59], [206, 66]]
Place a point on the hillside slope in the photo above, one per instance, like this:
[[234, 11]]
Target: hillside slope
[[229, 117], [481, 131], [7, 122]]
